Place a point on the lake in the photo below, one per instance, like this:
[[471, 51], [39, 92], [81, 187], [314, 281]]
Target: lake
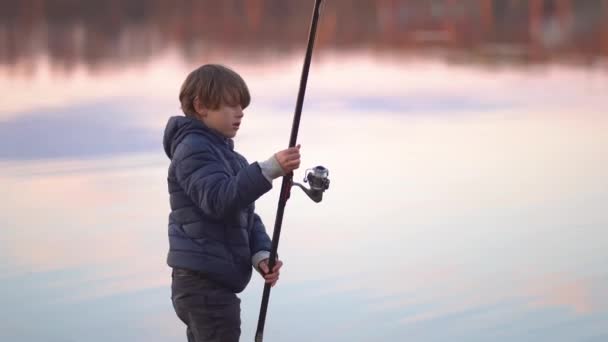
[[467, 143]]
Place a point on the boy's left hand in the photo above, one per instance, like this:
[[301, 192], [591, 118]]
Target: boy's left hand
[[271, 278]]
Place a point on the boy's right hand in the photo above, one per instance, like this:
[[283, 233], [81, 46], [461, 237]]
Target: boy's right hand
[[289, 159]]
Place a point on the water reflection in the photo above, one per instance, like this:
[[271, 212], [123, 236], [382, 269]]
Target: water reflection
[[467, 202], [111, 114], [79, 131], [107, 34]]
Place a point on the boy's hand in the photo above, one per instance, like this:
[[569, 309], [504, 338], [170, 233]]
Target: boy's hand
[[271, 278], [289, 159]]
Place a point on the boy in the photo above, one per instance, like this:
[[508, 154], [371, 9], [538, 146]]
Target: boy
[[215, 236]]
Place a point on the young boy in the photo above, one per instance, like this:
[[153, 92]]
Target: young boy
[[215, 236]]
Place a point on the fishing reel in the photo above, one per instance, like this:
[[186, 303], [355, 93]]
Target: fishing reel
[[317, 177]]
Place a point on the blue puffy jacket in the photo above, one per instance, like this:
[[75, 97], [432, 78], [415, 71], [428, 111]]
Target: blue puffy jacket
[[212, 226]]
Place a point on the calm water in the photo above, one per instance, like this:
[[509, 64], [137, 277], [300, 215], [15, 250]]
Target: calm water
[[467, 144]]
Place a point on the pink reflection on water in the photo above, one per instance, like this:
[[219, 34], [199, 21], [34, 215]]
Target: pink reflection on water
[[86, 218], [118, 217], [562, 291], [334, 77], [89, 220]]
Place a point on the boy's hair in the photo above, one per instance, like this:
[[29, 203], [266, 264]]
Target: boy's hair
[[215, 85]]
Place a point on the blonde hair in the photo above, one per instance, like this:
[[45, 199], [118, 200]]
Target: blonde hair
[[214, 85]]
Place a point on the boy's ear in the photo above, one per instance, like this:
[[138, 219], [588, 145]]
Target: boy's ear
[[199, 108]]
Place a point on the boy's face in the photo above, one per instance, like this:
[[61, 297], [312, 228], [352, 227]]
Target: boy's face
[[225, 119]]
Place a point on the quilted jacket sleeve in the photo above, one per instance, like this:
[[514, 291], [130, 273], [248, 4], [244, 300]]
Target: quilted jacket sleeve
[[205, 179], [259, 239]]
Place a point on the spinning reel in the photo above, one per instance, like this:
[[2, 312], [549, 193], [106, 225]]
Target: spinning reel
[[317, 177]]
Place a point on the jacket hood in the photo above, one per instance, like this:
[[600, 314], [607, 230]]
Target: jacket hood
[[178, 127]]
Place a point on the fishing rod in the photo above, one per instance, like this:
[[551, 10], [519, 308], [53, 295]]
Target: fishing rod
[[317, 177]]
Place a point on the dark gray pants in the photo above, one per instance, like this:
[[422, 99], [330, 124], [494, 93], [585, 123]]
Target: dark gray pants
[[211, 312]]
